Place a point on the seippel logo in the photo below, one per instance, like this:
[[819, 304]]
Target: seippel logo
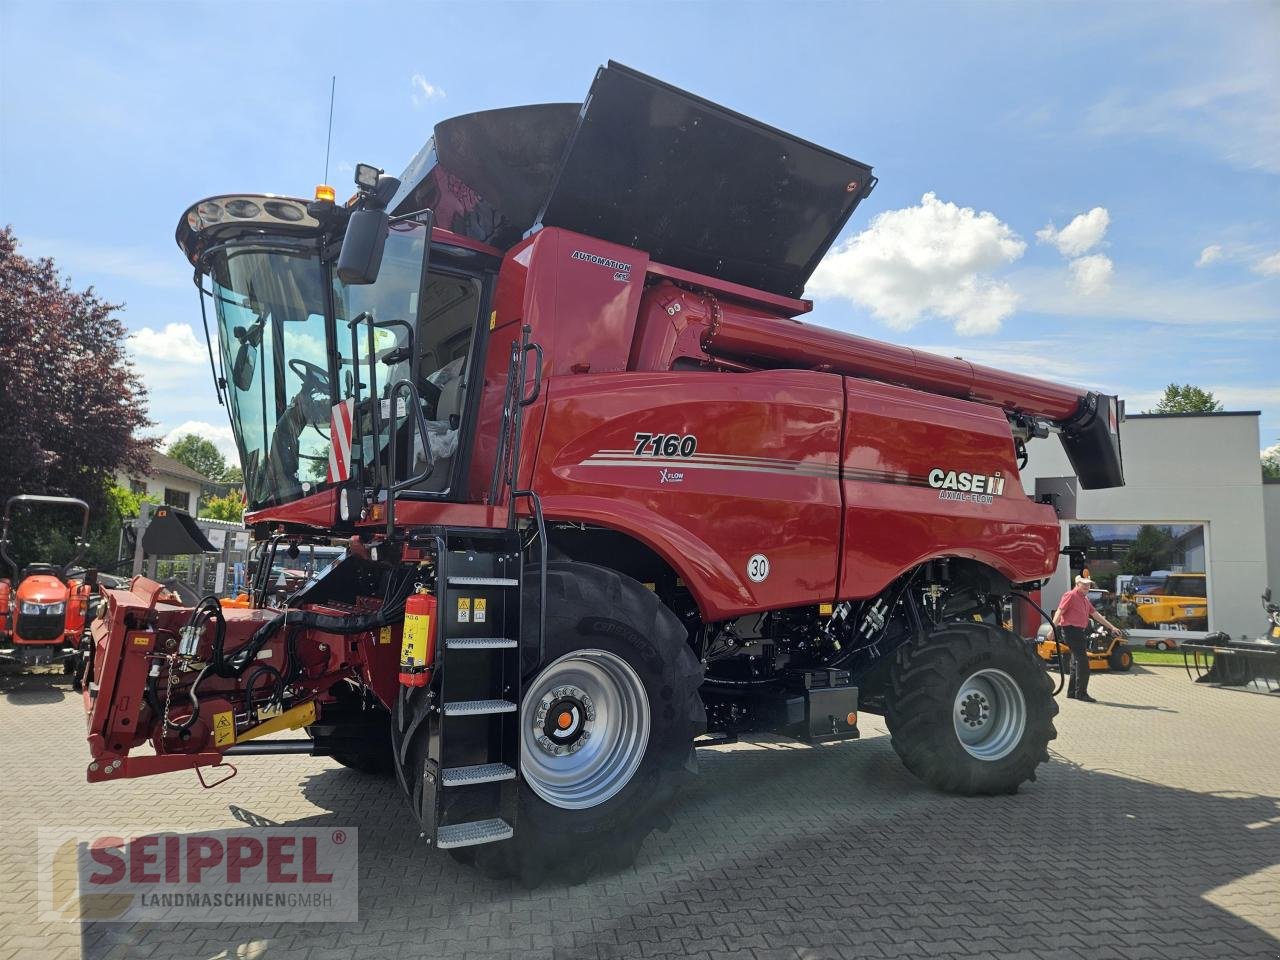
[[966, 482]]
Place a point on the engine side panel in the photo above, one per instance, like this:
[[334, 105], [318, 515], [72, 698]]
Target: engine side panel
[[926, 476], [753, 470]]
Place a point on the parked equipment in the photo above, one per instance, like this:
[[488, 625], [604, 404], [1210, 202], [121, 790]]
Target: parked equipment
[[1237, 663], [43, 607], [1107, 650], [603, 491]]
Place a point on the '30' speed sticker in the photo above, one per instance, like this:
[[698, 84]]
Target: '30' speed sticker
[[758, 568]]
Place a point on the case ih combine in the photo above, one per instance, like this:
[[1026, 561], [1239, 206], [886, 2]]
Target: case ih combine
[[604, 492]]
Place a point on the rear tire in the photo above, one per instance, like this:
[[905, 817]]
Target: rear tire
[[597, 615], [1121, 658], [970, 710]]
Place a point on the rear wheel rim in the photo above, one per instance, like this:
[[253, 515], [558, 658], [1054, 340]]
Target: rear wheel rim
[[584, 727], [990, 715]]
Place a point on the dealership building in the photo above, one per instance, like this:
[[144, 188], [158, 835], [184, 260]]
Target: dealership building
[[1194, 513]]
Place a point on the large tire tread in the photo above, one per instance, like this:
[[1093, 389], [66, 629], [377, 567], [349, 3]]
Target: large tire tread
[[927, 673]]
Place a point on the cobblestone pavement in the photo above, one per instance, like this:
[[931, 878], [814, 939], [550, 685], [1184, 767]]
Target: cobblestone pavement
[[1154, 833]]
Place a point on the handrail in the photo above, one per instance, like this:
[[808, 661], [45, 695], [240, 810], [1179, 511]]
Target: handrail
[[395, 486]]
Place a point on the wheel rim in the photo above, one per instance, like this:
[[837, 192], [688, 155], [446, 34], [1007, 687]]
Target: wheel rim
[[990, 715], [584, 727]]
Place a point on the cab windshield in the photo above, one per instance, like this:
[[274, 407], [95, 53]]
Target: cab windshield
[[287, 356]]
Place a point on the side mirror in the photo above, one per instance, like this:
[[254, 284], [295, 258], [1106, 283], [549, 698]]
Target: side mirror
[[1266, 595], [362, 246], [242, 369]]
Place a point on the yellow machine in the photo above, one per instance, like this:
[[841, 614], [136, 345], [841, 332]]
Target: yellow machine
[[1181, 601], [1106, 651]]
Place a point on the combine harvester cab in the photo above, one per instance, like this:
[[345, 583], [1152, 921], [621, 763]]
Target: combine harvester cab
[[604, 493]]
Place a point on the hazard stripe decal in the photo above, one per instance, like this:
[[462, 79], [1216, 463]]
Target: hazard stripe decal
[[340, 441]]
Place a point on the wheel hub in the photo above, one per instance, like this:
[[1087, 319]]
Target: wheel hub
[[990, 714], [566, 716], [584, 729]]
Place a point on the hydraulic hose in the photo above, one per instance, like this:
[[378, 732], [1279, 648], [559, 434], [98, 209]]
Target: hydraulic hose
[[1057, 639]]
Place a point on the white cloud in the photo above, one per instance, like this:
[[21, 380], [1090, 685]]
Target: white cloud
[[1183, 300], [1092, 274], [424, 91], [176, 343], [928, 260], [1210, 254], [1237, 116], [1268, 266], [220, 436], [1271, 453], [1080, 235]]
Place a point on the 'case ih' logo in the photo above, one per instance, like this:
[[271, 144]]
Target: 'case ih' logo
[[621, 271], [966, 482]]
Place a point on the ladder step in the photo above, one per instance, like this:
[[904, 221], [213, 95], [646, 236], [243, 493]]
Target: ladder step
[[480, 643], [469, 834], [483, 582], [464, 708], [480, 773]]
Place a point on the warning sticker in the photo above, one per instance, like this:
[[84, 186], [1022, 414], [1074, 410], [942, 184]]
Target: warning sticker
[[414, 641], [464, 609], [224, 729], [480, 612], [142, 640], [384, 635]]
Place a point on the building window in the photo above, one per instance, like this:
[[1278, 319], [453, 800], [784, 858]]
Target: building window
[[138, 486], [177, 498], [1150, 577]]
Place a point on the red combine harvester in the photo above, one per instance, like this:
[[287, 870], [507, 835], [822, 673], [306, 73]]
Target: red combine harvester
[[43, 610], [603, 492]]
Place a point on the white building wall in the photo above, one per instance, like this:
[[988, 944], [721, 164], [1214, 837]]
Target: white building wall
[[1271, 509], [158, 483], [1185, 469]]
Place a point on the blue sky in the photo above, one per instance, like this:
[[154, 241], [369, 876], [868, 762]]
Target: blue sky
[[1084, 192]]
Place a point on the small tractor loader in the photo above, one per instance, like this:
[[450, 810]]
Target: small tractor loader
[[43, 607], [606, 495]]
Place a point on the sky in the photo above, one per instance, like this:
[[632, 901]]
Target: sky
[[1089, 193]]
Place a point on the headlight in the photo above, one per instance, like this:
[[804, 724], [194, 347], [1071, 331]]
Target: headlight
[[43, 609]]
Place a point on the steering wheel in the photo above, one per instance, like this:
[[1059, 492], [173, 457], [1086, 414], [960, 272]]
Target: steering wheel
[[315, 378], [315, 381]]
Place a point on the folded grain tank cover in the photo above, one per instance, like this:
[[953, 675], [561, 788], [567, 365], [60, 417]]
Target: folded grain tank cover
[[643, 164], [172, 533], [700, 187]]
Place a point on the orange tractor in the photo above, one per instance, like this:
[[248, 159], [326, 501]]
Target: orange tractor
[[43, 609]]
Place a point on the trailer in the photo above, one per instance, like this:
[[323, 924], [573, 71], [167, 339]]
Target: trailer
[[606, 495]]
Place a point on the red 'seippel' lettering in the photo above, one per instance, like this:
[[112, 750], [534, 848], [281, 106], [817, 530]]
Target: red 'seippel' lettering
[[202, 853], [310, 871], [242, 852], [280, 855], [142, 854], [102, 852]]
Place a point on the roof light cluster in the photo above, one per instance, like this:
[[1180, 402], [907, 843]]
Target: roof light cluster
[[264, 210]]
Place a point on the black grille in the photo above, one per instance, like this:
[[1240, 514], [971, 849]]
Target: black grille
[[42, 627]]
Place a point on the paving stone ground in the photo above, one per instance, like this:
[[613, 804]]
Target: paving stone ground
[[1155, 832]]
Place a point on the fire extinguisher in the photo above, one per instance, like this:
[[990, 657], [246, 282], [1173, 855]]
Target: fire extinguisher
[[418, 641]]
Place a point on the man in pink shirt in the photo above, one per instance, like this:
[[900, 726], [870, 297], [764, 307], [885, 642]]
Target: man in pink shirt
[[1074, 612]]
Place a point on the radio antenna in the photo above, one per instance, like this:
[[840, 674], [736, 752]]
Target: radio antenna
[[333, 86]]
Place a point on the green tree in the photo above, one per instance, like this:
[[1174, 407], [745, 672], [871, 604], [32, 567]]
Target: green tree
[[1271, 462], [1152, 550], [71, 405], [200, 455], [1187, 398], [233, 476], [230, 507]]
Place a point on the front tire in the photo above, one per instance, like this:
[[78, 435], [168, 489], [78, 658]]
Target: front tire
[[614, 649], [969, 709]]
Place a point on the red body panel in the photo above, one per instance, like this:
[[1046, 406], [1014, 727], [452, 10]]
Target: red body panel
[[894, 519], [824, 470]]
